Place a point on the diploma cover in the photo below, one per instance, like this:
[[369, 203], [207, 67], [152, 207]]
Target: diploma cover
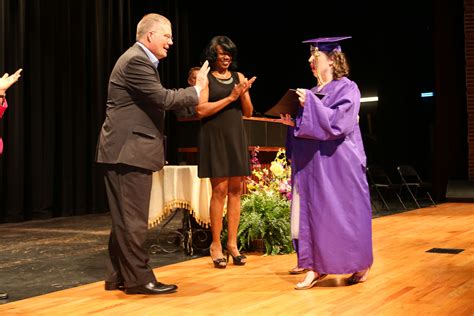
[[288, 104]]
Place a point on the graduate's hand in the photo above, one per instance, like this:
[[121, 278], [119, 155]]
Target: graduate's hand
[[301, 95], [286, 119], [201, 78]]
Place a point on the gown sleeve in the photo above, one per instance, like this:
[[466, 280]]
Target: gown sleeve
[[321, 122]]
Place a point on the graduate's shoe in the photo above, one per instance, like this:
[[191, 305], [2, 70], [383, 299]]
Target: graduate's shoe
[[3, 296], [307, 284], [358, 277], [238, 260], [297, 270], [152, 288], [114, 286]]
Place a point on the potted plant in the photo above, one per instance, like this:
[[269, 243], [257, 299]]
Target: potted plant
[[265, 209]]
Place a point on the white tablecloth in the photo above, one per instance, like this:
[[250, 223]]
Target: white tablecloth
[[179, 187]]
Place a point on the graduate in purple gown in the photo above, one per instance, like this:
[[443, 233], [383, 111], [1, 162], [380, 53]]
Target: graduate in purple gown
[[331, 212]]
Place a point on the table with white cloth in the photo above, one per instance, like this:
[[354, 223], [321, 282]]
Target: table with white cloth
[[179, 187]]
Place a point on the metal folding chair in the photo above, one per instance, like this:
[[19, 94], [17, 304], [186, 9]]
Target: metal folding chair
[[383, 186], [411, 181]]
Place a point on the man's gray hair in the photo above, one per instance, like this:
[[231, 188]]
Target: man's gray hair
[[148, 22]]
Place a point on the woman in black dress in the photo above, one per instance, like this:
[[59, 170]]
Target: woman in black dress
[[223, 149]]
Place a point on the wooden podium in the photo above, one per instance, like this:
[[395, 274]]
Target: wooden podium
[[269, 134]]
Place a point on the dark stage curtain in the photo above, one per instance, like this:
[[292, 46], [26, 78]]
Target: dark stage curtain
[[67, 49]]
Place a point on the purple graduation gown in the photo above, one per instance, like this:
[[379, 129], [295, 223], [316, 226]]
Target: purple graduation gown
[[328, 165]]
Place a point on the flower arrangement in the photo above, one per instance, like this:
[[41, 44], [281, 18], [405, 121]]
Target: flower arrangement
[[265, 209], [273, 180]]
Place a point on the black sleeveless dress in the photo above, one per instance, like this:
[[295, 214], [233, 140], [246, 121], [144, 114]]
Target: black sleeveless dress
[[223, 148]]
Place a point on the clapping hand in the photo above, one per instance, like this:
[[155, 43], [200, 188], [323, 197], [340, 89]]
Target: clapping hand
[[237, 91], [241, 88], [201, 78], [7, 80], [248, 84]]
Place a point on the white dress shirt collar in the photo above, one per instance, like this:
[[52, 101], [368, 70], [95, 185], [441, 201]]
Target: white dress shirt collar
[[155, 61]]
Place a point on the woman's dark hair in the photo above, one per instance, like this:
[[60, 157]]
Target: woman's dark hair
[[210, 52]]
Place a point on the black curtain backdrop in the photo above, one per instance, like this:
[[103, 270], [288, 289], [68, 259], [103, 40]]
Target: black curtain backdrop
[[68, 48]]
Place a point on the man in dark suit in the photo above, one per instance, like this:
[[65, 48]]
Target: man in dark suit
[[131, 147]]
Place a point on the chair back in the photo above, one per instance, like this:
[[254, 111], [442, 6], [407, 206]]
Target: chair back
[[410, 178], [409, 174], [377, 175]]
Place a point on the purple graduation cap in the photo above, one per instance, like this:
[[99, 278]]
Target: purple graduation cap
[[326, 44]]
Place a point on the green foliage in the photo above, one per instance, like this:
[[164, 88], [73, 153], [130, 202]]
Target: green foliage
[[265, 210], [265, 215]]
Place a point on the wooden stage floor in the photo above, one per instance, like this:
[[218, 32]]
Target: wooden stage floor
[[405, 279]]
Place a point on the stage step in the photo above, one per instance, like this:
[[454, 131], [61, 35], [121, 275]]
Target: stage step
[[460, 191]]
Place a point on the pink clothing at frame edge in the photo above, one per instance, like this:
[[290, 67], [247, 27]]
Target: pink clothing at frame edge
[[3, 107]]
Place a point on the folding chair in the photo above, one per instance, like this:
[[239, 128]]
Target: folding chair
[[382, 185], [413, 183]]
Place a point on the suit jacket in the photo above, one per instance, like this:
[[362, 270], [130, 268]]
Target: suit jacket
[[132, 132], [3, 107]]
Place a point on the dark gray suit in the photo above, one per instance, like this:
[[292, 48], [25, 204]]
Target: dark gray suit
[[131, 147]]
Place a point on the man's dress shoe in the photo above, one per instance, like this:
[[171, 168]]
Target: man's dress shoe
[[152, 288], [3, 296], [114, 286]]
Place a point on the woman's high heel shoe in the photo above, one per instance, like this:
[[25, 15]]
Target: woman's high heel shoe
[[237, 260], [219, 263]]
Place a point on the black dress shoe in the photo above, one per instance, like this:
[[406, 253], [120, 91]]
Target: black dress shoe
[[3, 296], [114, 286], [152, 288]]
